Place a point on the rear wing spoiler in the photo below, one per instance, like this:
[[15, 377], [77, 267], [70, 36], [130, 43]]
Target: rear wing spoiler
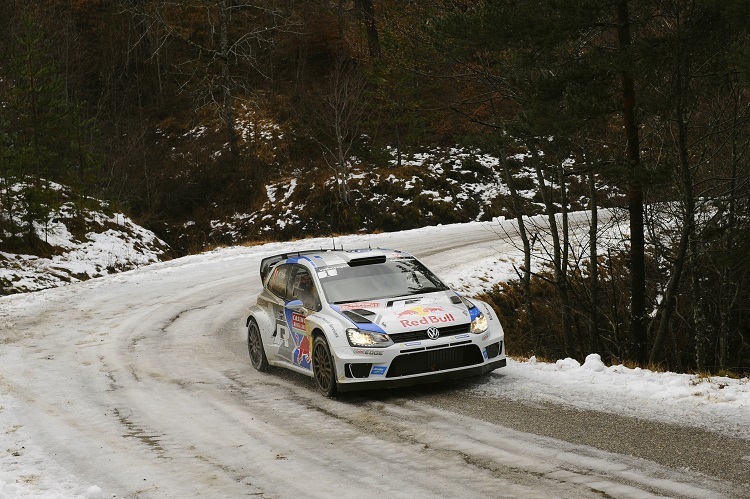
[[269, 262]]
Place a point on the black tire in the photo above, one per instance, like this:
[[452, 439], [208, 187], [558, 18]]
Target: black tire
[[324, 368], [255, 347]]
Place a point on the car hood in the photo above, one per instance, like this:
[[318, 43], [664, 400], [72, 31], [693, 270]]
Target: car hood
[[408, 313]]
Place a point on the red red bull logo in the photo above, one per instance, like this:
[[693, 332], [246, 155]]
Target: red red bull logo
[[421, 316], [303, 352], [421, 311], [407, 313]]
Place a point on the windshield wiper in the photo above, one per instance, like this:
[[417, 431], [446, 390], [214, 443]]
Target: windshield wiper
[[432, 289]]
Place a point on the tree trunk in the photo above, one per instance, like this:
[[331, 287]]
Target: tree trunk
[[635, 195], [340, 16], [699, 318], [557, 253], [526, 276], [340, 155], [227, 115], [373, 42], [688, 225], [670, 295], [564, 284], [593, 265], [341, 165], [728, 288]]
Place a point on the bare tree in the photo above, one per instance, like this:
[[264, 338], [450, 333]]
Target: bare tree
[[337, 116], [228, 39], [525, 276], [559, 236]]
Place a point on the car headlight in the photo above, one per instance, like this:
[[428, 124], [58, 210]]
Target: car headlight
[[479, 324], [361, 338]]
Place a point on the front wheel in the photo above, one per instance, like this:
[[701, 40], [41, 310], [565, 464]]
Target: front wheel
[[324, 367], [255, 347]]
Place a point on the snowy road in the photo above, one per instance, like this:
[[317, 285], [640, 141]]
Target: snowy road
[[140, 386]]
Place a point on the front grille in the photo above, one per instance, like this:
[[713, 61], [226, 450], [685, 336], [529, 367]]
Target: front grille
[[422, 334], [441, 359]]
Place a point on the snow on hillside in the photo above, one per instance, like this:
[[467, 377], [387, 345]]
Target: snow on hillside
[[111, 243], [438, 185]]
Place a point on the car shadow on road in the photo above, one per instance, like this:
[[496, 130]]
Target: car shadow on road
[[417, 392]]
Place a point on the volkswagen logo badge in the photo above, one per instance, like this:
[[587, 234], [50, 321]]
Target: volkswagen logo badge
[[433, 333]]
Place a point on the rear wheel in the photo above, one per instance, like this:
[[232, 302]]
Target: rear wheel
[[255, 347], [324, 367]]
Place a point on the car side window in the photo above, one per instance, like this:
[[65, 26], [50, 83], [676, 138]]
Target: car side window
[[277, 283], [302, 287]]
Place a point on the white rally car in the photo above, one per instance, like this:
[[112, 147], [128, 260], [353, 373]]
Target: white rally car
[[367, 318]]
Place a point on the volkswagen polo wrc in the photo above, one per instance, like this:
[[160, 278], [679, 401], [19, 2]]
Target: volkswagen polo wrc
[[368, 318]]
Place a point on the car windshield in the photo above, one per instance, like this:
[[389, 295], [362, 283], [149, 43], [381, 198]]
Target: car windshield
[[401, 277]]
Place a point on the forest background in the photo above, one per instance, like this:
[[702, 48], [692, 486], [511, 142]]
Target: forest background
[[196, 116]]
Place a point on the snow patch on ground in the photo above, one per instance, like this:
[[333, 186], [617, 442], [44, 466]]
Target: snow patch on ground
[[714, 403]]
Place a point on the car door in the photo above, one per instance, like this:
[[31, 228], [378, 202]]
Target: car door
[[301, 287], [280, 344]]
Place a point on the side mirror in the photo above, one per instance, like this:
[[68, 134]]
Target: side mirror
[[295, 305]]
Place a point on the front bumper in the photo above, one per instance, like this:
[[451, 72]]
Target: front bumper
[[418, 362], [382, 383]]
